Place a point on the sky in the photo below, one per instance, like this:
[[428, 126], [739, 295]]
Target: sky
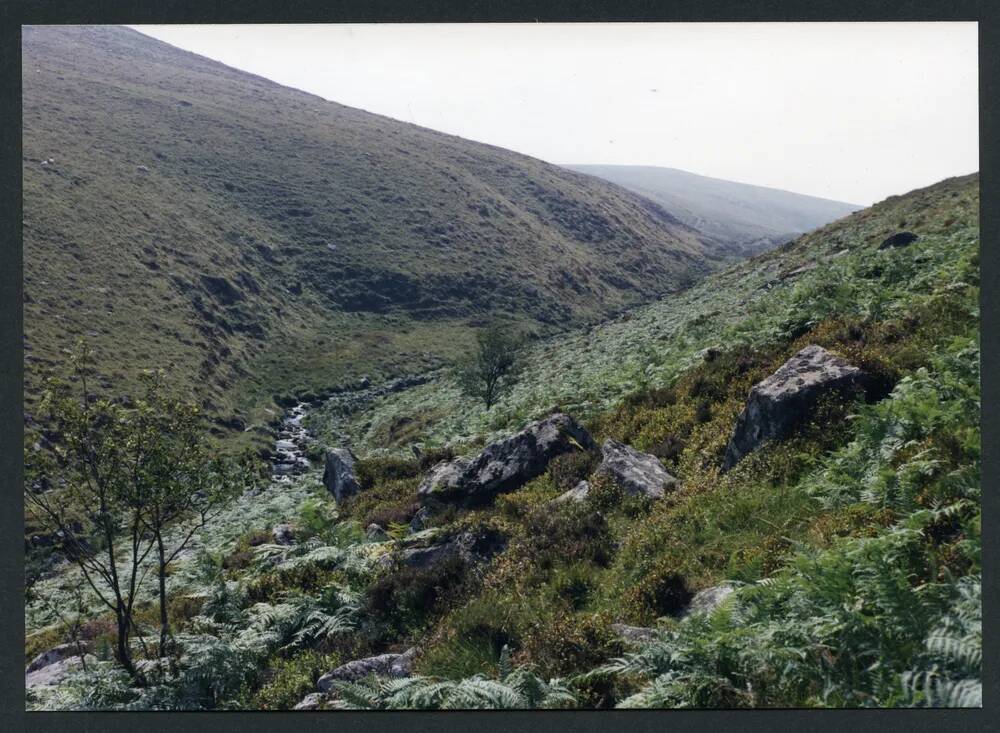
[[849, 111]]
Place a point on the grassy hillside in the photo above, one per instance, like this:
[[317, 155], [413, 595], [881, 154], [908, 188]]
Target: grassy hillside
[[854, 546], [747, 218], [251, 238]]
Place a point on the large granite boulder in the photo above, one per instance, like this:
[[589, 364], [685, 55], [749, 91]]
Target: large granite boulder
[[780, 402], [383, 665], [639, 474], [338, 474], [507, 464]]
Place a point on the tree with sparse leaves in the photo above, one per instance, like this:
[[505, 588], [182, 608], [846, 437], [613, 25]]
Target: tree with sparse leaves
[[493, 368], [124, 488]]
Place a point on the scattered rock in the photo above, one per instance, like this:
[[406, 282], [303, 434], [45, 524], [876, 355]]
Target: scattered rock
[[338, 474], [899, 239], [375, 533], [384, 665], [635, 634], [577, 493], [56, 654], [53, 674], [283, 534], [639, 474], [312, 701], [781, 401], [142, 169], [507, 464], [472, 546], [420, 519], [706, 601]]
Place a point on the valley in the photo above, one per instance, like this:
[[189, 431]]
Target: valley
[[737, 464]]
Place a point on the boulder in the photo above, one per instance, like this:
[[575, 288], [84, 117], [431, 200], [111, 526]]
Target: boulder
[[899, 239], [376, 533], [706, 601], [471, 546], [383, 665], [338, 474], [56, 654], [53, 674], [507, 464], [639, 474], [780, 402]]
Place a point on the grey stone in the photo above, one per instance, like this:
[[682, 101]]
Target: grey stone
[[709, 599], [639, 474], [53, 674], [577, 493], [312, 701], [338, 474], [375, 533], [777, 404], [507, 464], [634, 634], [383, 665], [420, 520], [56, 654]]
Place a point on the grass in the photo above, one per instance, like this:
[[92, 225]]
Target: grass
[[252, 238]]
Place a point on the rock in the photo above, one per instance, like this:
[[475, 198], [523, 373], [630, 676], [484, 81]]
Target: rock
[[420, 520], [444, 477], [53, 674], [375, 533], [283, 534], [312, 701], [899, 239], [472, 546], [364, 383], [777, 404], [639, 474], [635, 634], [710, 353], [577, 493], [422, 557], [56, 654], [507, 464], [706, 601], [338, 474], [383, 665]]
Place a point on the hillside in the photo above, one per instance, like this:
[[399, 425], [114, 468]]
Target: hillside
[[252, 239], [747, 218], [838, 565]]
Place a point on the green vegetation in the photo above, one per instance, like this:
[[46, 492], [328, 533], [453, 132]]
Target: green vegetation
[[269, 251], [117, 482], [853, 547], [252, 239], [492, 369]]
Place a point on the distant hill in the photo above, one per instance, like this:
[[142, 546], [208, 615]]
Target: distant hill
[[251, 238], [747, 218]]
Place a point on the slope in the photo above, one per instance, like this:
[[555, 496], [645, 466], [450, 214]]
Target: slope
[[747, 218], [251, 238]]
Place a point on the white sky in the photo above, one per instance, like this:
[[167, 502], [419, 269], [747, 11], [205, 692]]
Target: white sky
[[848, 111]]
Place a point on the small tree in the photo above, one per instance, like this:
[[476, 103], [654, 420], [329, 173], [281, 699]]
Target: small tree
[[493, 368], [121, 477]]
